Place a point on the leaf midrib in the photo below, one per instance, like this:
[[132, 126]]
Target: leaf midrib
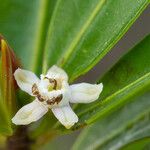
[[78, 36], [41, 37], [45, 65], [113, 41]]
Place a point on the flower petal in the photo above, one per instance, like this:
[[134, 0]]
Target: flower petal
[[56, 72], [25, 80], [30, 113], [65, 115], [85, 92]]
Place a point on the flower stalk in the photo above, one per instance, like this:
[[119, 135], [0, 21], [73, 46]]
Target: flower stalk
[[19, 140]]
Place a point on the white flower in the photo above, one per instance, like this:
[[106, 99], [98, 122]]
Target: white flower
[[52, 91]]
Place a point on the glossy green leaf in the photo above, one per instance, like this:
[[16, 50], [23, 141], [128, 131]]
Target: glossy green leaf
[[129, 123], [129, 77], [24, 24], [82, 32]]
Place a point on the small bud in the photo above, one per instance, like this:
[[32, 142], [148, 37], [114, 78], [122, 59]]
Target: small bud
[[9, 63]]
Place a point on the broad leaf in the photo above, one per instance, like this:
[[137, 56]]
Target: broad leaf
[[129, 123], [129, 77], [82, 32], [24, 24]]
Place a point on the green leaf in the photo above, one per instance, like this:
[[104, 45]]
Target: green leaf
[[129, 123], [24, 24], [82, 32], [129, 77], [142, 144], [5, 125]]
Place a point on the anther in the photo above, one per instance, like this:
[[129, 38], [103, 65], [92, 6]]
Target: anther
[[52, 81], [59, 98], [40, 98], [51, 101], [35, 89], [54, 100]]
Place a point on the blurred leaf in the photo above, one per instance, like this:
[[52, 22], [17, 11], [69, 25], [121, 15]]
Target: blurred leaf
[[24, 24], [129, 77], [2, 142], [8, 65], [42, 131], [82, 32], [129, 123], [142, 144], [5, 124]]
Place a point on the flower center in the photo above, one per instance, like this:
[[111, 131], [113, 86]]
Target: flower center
[[53, 85]]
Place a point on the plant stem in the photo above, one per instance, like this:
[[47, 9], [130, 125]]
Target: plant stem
[[19, 140]]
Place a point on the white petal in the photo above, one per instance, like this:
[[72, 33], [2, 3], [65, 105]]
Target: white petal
[[65, 115], [25, 80], [56, 72], [29, 113], [85, 92]]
